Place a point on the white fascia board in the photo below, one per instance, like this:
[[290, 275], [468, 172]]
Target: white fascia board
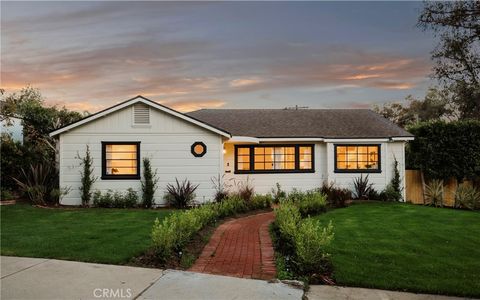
[[243, 139], [149, 103], [262, 140], [355, 140], [406, 138]]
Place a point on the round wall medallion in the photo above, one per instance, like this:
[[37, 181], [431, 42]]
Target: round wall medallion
[[199, 149]]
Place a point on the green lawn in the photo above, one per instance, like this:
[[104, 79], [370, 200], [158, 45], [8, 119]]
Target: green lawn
[[406, 247], [93, 235]]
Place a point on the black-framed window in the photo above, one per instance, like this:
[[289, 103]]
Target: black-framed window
[[274, 158], [120, 160], [359, 158]]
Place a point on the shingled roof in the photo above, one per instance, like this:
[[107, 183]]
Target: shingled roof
[[301, 123]]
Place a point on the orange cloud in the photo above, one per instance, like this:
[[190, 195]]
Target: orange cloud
[[186, 106], [245, 82]]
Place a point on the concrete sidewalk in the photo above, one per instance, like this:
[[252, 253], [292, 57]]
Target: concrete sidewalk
[[36, 278], [33, 278]]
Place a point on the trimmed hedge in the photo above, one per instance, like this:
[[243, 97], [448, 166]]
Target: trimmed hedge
[[444, 150]]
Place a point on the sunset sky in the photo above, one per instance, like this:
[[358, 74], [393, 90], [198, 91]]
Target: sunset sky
[[90, 55]]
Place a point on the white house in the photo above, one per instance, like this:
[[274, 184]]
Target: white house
[[297, 148]]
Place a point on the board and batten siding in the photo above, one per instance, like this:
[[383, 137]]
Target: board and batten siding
[[166, 141], [388, 152], [264, 183]]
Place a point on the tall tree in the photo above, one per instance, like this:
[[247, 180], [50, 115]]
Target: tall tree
[[457, 56]]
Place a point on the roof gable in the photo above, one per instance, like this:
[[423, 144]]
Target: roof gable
[[148, 102]]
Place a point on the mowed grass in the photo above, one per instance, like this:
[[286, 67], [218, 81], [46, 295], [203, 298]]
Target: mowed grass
[[406, 247], [93, 235]]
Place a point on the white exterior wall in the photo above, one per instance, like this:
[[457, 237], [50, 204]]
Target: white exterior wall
[[167, 142], [265, 182], [324, 170], [388, 151]]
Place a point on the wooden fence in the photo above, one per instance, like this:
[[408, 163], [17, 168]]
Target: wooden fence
[[414, 188]]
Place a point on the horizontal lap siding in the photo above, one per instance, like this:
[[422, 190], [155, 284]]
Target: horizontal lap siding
[[264, 183], [166, 142]]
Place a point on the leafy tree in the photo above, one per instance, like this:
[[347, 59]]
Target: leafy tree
[[436, 105], [444, 150], [457, 56]]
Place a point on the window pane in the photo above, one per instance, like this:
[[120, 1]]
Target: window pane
[[289, 158], [121, 159], [259, 166], [341, 165], [259, 150], [279, 150], [290, 165], [259, 158], [290, 150], [305, 150], [243, 159], [268, 150], [243, 166], [268, 165], [305, 165], [352, 165], [243, 151]]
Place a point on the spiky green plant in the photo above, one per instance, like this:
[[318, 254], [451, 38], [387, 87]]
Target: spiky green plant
[[434, 193]]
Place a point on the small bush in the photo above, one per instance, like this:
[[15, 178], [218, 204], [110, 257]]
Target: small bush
[[278, 194], [395, 183], [434, 193], [260, 202], [221, 192], [149, 184], [172, 234], [390, 193], [38, 182], [336, 197], [111, 199], [311, 244], [362, 187], [181, 195], [467, 196], [296, 195], [374, 195], [312, 203], [246, 190], [287, 218]]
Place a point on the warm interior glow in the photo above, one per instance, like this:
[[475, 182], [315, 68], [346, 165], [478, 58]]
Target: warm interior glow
[[274, 158], [357, 157], [121, 159], [198, 149]]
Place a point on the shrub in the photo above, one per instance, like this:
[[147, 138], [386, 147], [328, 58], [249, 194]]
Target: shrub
[[362, 187], [181, 195], [260, 202], [336, 197], [296, 195], [396, 195], [278, 194], [389, 194], [86, 177], [312, 203], [246, 190], [220, 189], [467, 196], [311, 244], [149, 184], [170, 236], [374, 195], [434, 193], [287, 218], [38, 182], [111, 199]]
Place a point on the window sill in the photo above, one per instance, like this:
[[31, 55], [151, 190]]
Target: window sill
[[120, 177], [358, 171]]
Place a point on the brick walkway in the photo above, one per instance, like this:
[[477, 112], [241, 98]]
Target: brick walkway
[[240, 248]]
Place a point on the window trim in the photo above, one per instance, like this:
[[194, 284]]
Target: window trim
[[252, 162], [379, 170], [106, 176]]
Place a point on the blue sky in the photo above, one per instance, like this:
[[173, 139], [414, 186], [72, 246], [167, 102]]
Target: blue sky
[[190, 55]]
